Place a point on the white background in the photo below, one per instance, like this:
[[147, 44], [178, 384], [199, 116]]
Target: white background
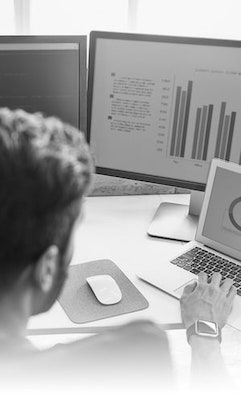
[[206, 18]]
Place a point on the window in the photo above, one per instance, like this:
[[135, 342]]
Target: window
[[77, 16], [203, 18], [7, 17], [198, 18]]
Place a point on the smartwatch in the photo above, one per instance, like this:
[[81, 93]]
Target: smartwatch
[[204, 328]]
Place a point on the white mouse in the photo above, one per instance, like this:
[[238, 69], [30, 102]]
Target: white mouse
[[105, 289]]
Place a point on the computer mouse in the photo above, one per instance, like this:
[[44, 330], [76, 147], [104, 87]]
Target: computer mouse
[[105, 289]]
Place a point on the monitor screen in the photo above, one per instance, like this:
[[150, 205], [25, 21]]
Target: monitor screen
[[45, 74], [160, 108], [222, 223]]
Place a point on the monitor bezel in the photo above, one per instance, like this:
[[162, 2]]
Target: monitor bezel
[[94, 36], [82, 42]]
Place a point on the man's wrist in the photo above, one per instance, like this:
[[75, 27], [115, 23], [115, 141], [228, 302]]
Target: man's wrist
[[202, 341]]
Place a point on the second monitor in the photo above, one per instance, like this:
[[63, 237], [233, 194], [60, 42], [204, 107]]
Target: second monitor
[[46, 74], [161, 108]]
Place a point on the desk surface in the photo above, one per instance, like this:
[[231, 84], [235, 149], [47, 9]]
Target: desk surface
[[115, 228]]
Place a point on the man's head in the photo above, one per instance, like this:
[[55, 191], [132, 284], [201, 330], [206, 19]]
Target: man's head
[[45, 170]]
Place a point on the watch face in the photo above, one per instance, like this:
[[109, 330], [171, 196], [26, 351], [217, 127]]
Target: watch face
[[206, 327]]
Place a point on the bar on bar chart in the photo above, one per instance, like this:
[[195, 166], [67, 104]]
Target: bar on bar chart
[[201, 133], [180, 120], [202, 130], [186, 118], [230, 136], [225, 133], [175, 120], [196, 132], [220, 129], [180, 124], [207, 134], [224, 136]]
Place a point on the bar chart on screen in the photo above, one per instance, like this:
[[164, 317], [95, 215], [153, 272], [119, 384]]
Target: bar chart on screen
[[200, 131]]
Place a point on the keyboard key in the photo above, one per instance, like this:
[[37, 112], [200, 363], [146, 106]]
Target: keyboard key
[[230, 265], [194, 271], [233, 271], [187, 267]]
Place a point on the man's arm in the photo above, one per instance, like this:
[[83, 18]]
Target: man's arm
[[208, 301], [207, 358]]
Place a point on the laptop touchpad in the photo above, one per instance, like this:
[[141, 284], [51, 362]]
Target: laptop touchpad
[[178, 292]]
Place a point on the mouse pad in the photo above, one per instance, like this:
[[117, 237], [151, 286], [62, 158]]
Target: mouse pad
[[80, 303]]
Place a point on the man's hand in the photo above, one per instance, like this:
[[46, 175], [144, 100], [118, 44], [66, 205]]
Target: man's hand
[[207, 301]]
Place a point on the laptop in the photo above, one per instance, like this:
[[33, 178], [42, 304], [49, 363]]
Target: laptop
[[217, 244]]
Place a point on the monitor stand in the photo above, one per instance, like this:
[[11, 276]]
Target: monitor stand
[[177, 221]]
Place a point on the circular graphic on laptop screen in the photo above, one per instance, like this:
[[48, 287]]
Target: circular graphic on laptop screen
[[234, 213]]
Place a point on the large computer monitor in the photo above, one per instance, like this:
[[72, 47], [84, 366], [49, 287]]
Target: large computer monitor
[[161, 108], [46, 74]]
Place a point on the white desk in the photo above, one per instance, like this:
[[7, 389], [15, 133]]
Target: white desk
[[115, 228]]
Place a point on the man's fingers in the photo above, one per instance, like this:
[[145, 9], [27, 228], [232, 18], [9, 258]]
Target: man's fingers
[[226, 286], [190, 288], [216, 279], [231, 294], [202, 277]]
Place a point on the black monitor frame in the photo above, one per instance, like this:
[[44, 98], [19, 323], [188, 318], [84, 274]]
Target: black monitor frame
[[94, 36], [81, 40]]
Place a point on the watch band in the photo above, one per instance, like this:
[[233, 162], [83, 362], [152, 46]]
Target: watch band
[[199, 329]]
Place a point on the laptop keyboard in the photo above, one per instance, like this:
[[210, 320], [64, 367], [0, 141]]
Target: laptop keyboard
[[197, 260]]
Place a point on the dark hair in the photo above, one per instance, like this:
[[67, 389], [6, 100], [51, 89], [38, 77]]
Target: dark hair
[[45, 169]]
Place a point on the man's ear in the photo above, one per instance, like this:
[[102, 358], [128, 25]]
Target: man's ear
[[46, 269]]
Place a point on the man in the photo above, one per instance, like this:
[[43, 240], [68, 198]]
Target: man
[[45, 170]]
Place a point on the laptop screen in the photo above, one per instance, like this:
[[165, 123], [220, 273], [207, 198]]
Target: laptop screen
[[223, 219]]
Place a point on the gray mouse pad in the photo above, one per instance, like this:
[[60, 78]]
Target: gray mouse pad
[[80, 303]]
